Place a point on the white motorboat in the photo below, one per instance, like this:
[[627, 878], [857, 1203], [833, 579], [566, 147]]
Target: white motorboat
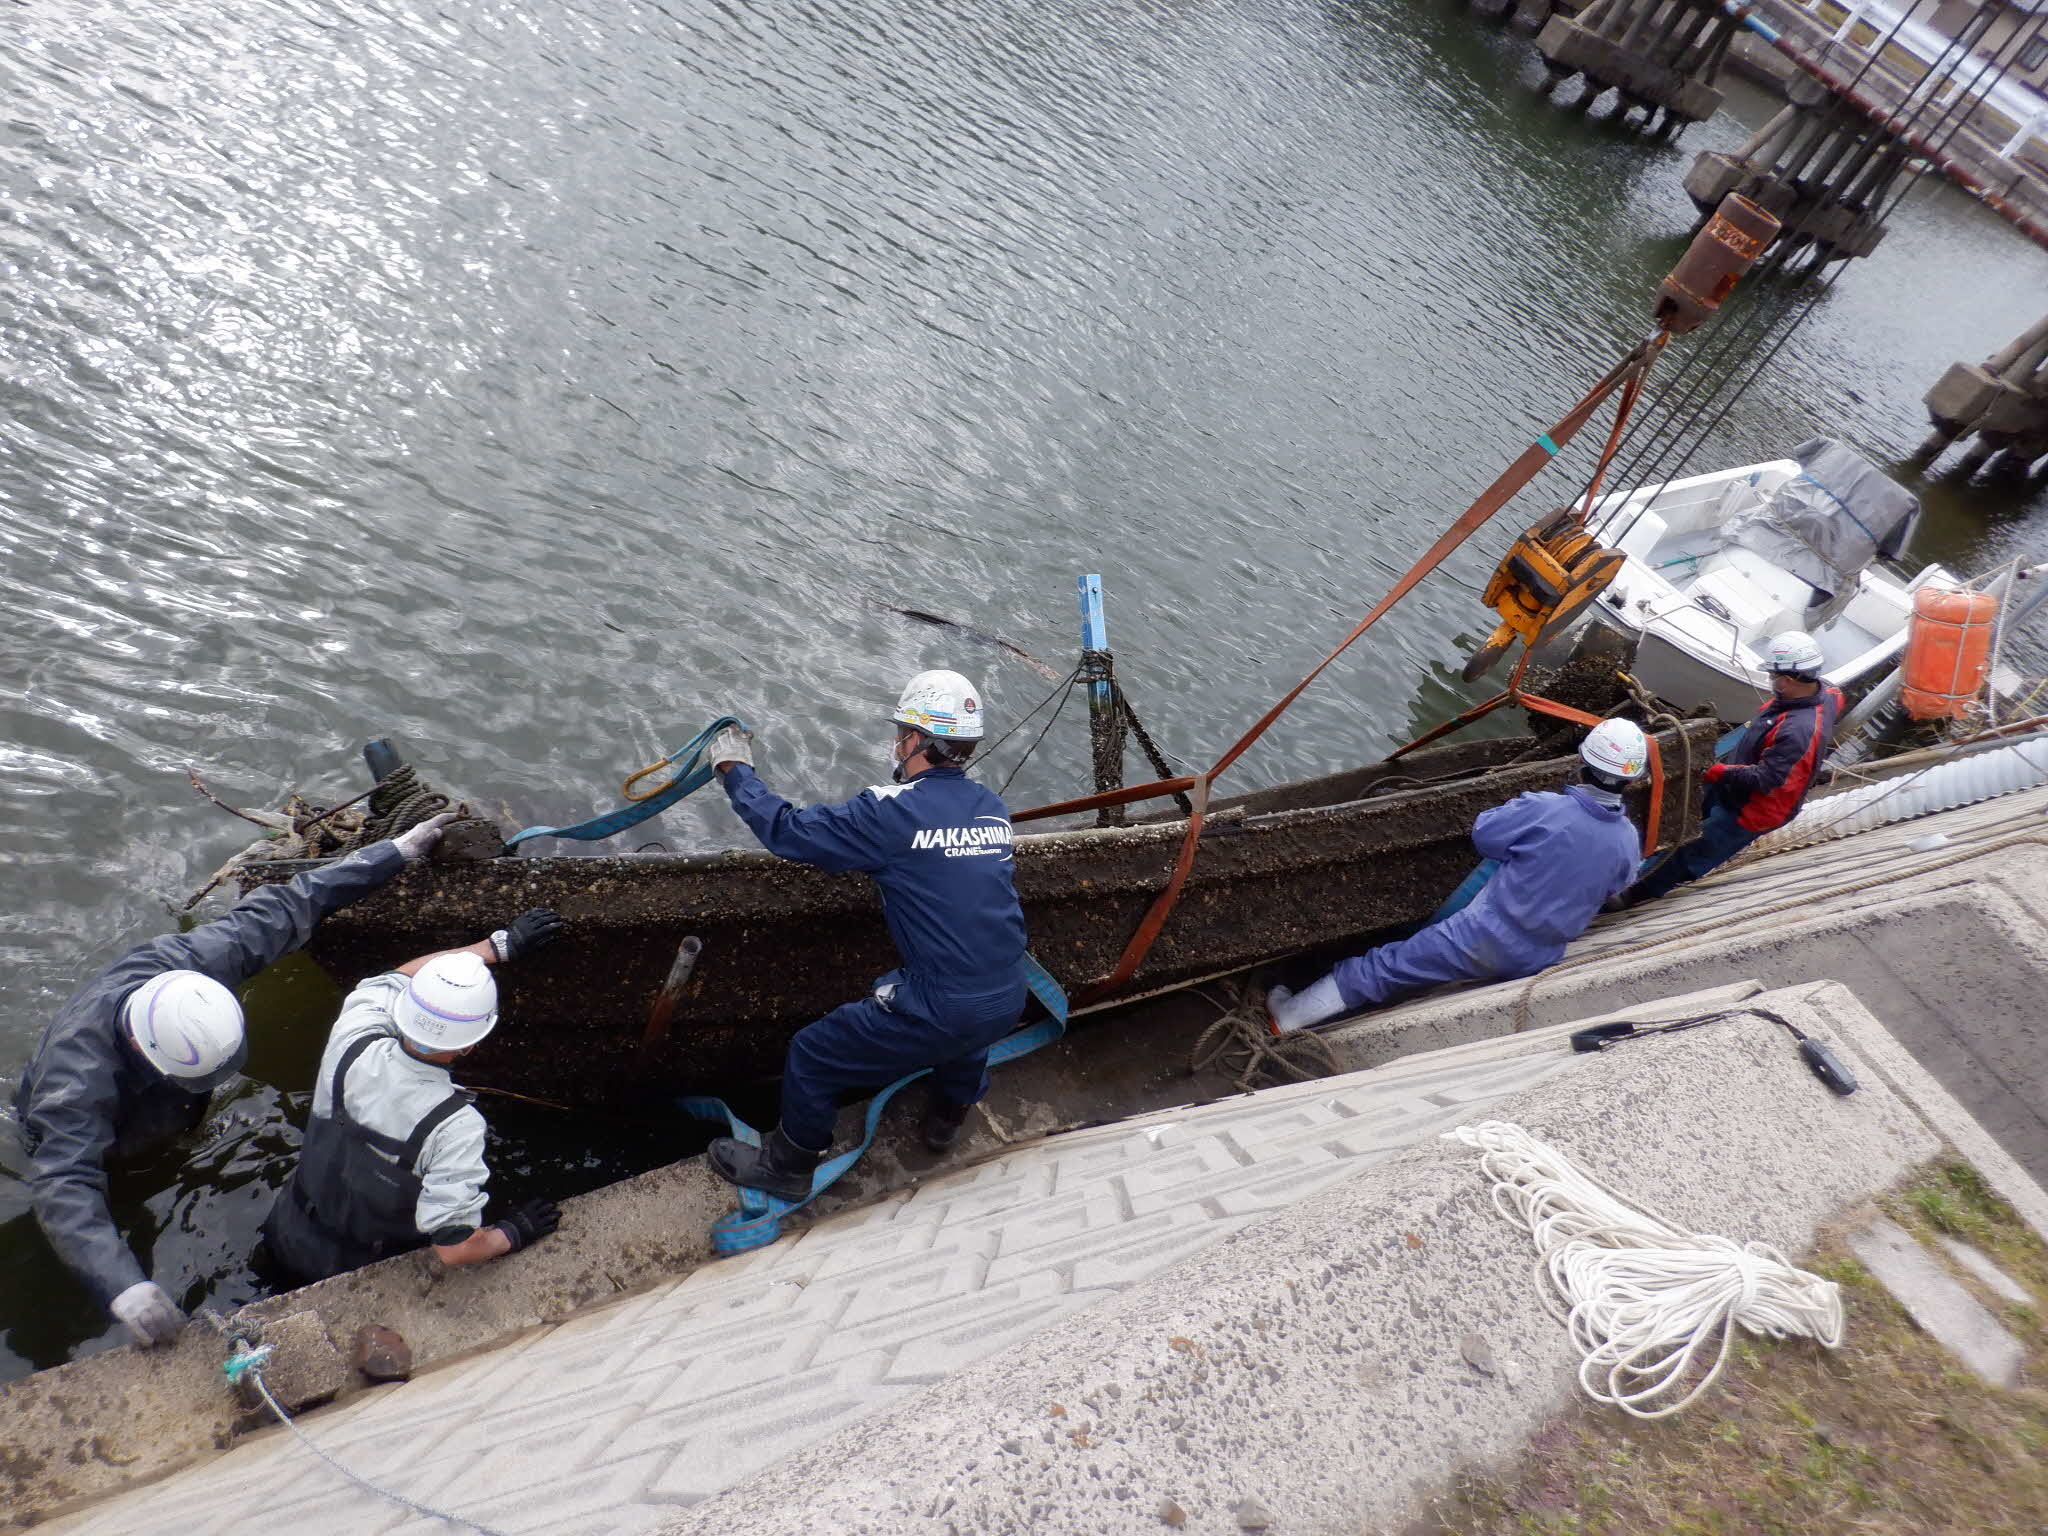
[[1717, 564]]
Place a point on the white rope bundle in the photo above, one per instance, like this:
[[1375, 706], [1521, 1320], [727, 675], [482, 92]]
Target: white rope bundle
[[1642, 1297]]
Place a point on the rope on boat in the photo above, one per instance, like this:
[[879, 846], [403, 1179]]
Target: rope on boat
[[1242, 1044], [397, 802], [400, 802]]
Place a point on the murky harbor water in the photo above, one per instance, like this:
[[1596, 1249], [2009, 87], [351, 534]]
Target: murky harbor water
[[533, 383]]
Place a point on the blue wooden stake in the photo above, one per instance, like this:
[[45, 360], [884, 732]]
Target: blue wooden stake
[[1103, 725], [1094, 637]]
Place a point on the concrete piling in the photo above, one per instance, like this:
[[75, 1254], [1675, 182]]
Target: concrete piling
[[1659, 54], [2002, 402], [1820, 165], [1527, 15], [1863, 108]]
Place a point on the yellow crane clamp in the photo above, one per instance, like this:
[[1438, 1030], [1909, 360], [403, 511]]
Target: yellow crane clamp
[[1544, 581]]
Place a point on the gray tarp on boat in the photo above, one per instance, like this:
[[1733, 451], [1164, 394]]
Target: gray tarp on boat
[[1829, 521]]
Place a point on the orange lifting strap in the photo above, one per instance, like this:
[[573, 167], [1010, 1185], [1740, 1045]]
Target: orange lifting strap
[[1628, 372], [1713, 265], [1717, 258], [1652, 822]]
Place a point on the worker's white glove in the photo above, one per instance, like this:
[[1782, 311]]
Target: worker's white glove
[[414, 844], [146, 1310], [731, 745]]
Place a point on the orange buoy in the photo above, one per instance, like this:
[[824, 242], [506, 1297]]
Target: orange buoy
[[1948, 651]]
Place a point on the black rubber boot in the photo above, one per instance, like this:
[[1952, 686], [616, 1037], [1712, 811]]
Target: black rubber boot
[[777, 1167], [942, 1122]]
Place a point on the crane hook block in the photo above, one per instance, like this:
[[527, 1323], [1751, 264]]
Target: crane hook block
[[1734, 236], [1545, 580]]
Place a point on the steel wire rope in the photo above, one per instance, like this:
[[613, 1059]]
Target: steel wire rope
[[1950, 119], [1773, 263], [1141, 941], [1951, 112], [1700, 371], [1026, 718], [1065, 692], [1667, 437]]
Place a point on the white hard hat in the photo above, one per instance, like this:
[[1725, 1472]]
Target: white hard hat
[[449, 1005], [1794, 652], [942, 704], [1617, 748], [188, 1027]]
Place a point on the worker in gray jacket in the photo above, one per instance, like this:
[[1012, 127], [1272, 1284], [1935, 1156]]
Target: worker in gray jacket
[[131, 1061], [394, 1151]]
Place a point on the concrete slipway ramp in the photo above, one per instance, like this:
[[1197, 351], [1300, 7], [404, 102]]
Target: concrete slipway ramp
[[1274, 1297]]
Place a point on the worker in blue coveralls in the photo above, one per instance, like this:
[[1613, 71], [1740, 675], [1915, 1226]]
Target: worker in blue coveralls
[[1561, 854], [1763, 781], [130, 1062], [937, 845]]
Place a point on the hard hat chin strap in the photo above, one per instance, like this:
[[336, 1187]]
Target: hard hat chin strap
[[1602, 782], [936, 750]]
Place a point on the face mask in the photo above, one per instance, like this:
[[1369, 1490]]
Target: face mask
[[896, 754]]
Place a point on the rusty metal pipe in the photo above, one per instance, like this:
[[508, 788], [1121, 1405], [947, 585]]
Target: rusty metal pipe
[[1716, 260], [662, 1011]]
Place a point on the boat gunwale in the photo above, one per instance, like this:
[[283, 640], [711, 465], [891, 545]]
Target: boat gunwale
[[1239, 820]]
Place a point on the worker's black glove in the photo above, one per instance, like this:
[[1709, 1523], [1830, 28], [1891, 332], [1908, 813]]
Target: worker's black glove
[[529, 931], [530, 1222]]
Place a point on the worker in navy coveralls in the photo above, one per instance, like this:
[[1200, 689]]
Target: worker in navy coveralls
[[937, 844]]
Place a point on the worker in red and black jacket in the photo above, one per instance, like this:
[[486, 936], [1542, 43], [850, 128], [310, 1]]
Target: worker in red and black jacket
[[1762, 783]]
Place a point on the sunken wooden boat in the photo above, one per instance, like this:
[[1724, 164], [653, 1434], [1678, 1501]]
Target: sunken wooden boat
[[1310, 865]]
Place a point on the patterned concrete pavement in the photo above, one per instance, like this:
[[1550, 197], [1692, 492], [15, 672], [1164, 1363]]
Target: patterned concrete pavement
[[613, 1421]]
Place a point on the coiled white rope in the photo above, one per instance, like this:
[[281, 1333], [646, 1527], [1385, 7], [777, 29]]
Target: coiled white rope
[[1643, 1298]]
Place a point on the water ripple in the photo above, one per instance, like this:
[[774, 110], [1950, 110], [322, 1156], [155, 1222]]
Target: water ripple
[[532, 383]]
